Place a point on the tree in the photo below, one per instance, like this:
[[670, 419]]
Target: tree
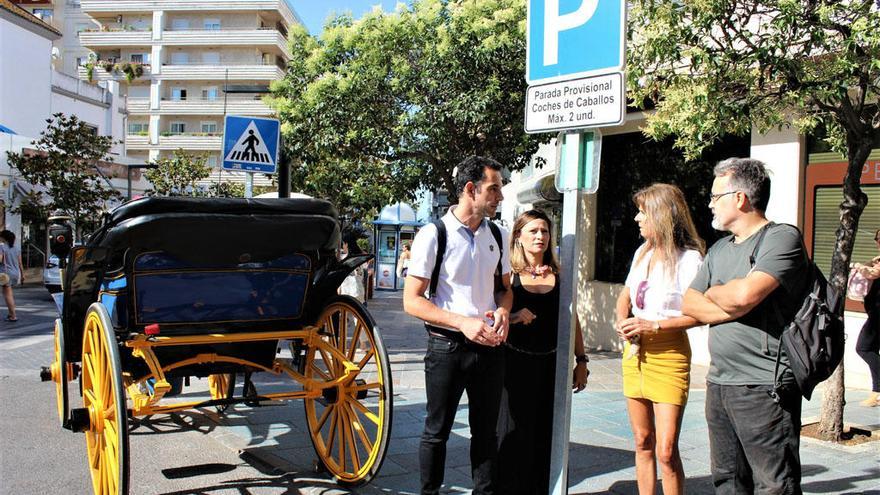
[[179, 175], [727, 66], [66, 164], [413, 92]]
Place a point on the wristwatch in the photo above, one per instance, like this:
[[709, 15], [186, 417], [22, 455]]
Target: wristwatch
[[582, 359]]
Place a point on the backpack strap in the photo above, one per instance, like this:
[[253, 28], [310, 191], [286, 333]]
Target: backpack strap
[[496, 233], [441, 250], [777, 383]]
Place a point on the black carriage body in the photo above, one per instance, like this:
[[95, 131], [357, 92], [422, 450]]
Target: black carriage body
[[191, 266]]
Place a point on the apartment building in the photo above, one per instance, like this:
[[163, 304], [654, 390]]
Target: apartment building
[[183, 65]]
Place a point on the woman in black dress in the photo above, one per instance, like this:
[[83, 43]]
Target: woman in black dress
[[525, 422], [868, 344]]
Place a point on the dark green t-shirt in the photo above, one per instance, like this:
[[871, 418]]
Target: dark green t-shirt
[[743, 351]]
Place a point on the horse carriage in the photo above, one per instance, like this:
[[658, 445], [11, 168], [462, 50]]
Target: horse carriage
[[222, 289]]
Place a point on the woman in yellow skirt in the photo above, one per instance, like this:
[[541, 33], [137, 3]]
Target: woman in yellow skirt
[[657, 355]]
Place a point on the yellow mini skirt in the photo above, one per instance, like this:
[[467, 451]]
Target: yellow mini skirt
[[661, 371]]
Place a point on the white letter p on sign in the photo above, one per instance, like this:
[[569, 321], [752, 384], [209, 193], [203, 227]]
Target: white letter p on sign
[[555, 24]]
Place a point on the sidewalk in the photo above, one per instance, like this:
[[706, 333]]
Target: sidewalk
[[601, 455]]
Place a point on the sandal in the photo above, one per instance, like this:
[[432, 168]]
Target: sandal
[[11, 320]]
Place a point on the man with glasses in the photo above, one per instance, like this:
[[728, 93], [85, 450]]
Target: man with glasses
[[750, 283]]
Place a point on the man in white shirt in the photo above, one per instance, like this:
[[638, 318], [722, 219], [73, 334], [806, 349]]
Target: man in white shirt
[[464, 322]]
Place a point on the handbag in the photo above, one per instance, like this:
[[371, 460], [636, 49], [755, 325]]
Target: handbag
[[857, 286], [4, 278]]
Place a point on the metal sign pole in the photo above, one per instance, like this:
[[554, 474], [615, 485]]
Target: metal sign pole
[[564, 345], [249, 185]]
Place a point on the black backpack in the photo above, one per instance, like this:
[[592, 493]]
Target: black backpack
[[814, 338], [441, 250]]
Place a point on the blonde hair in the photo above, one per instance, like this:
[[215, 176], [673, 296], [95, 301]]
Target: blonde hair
[[670, 222], [517, 253]]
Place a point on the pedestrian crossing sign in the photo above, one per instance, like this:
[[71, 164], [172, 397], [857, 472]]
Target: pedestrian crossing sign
[[250, 144]]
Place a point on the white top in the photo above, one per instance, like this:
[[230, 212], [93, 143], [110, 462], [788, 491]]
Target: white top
[[466, 282], [664, 294]]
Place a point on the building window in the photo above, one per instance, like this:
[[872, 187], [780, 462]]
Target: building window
[[93, 129], [180, 24], [140, 58], [178, 94], [44, 14], [79, 61], [210, 93], [212, 24], [179, 58], [212, 161], [211, 58], [138, 128], [178, 127], [209, 127]]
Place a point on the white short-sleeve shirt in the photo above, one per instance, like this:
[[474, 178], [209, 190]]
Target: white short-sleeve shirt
[[663, 295], [466, 282]]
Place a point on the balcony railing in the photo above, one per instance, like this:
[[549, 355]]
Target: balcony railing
[[257, 72], [115, 38], [121, 6]]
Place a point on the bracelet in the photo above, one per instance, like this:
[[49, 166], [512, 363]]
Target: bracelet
[[582, 359]]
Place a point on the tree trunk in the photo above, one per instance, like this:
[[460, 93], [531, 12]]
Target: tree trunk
[[854, 201]]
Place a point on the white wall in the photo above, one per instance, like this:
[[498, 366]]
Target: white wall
[[25, 70]]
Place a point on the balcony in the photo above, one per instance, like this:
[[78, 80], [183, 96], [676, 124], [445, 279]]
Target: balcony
[[137, 142], [191, 142], [117, 38], [227, 37], [235, 105], [101, 74], [219, 72], [112, 7]]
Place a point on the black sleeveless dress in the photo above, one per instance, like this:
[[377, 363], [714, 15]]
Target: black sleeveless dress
[[525, 422]]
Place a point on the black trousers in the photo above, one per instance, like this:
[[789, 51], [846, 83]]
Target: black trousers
[[754, 441], [453, 366], [868, 345]]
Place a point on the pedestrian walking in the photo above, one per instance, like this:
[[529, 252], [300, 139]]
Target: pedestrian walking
[[403, 261], [466, 321], [10, 260], [868, 344], [525, 422], [657, 353], [751, 282]]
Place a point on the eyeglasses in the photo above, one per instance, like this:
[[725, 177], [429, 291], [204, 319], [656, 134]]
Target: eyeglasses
[[640, 294], [716, 197]]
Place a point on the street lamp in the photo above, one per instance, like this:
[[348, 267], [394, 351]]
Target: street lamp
[[138, 165]]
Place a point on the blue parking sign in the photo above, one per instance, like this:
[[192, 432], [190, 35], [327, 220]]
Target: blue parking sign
[[568, 39], [250, 144]]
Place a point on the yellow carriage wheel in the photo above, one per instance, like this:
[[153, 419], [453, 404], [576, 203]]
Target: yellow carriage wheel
[[62, 372], [104, 400], [222, 386], [350, 424]]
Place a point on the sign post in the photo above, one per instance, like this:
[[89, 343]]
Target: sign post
[[250, 144], [574, 68]]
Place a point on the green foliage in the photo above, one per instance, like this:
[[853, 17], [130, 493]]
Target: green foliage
[[65, 163], [716, 67], [403, 97], [226, 190], [178, 175]]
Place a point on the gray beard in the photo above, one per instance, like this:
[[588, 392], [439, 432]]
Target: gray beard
[[716, 224]]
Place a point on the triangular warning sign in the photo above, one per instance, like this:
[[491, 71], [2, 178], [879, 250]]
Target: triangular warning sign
[[250, 147]]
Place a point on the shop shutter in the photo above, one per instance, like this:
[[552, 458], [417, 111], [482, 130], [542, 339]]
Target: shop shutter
[[827, 219]]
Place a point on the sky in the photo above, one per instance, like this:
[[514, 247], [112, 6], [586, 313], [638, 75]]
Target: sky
[[314, 12]]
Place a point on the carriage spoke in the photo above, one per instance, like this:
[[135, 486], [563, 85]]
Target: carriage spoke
[[323, 420], [317, 370], [341, 425], [367, 386], [359, 427], [354, 342], [364, 360], [331, 435], [352, 448], [366, 412]]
